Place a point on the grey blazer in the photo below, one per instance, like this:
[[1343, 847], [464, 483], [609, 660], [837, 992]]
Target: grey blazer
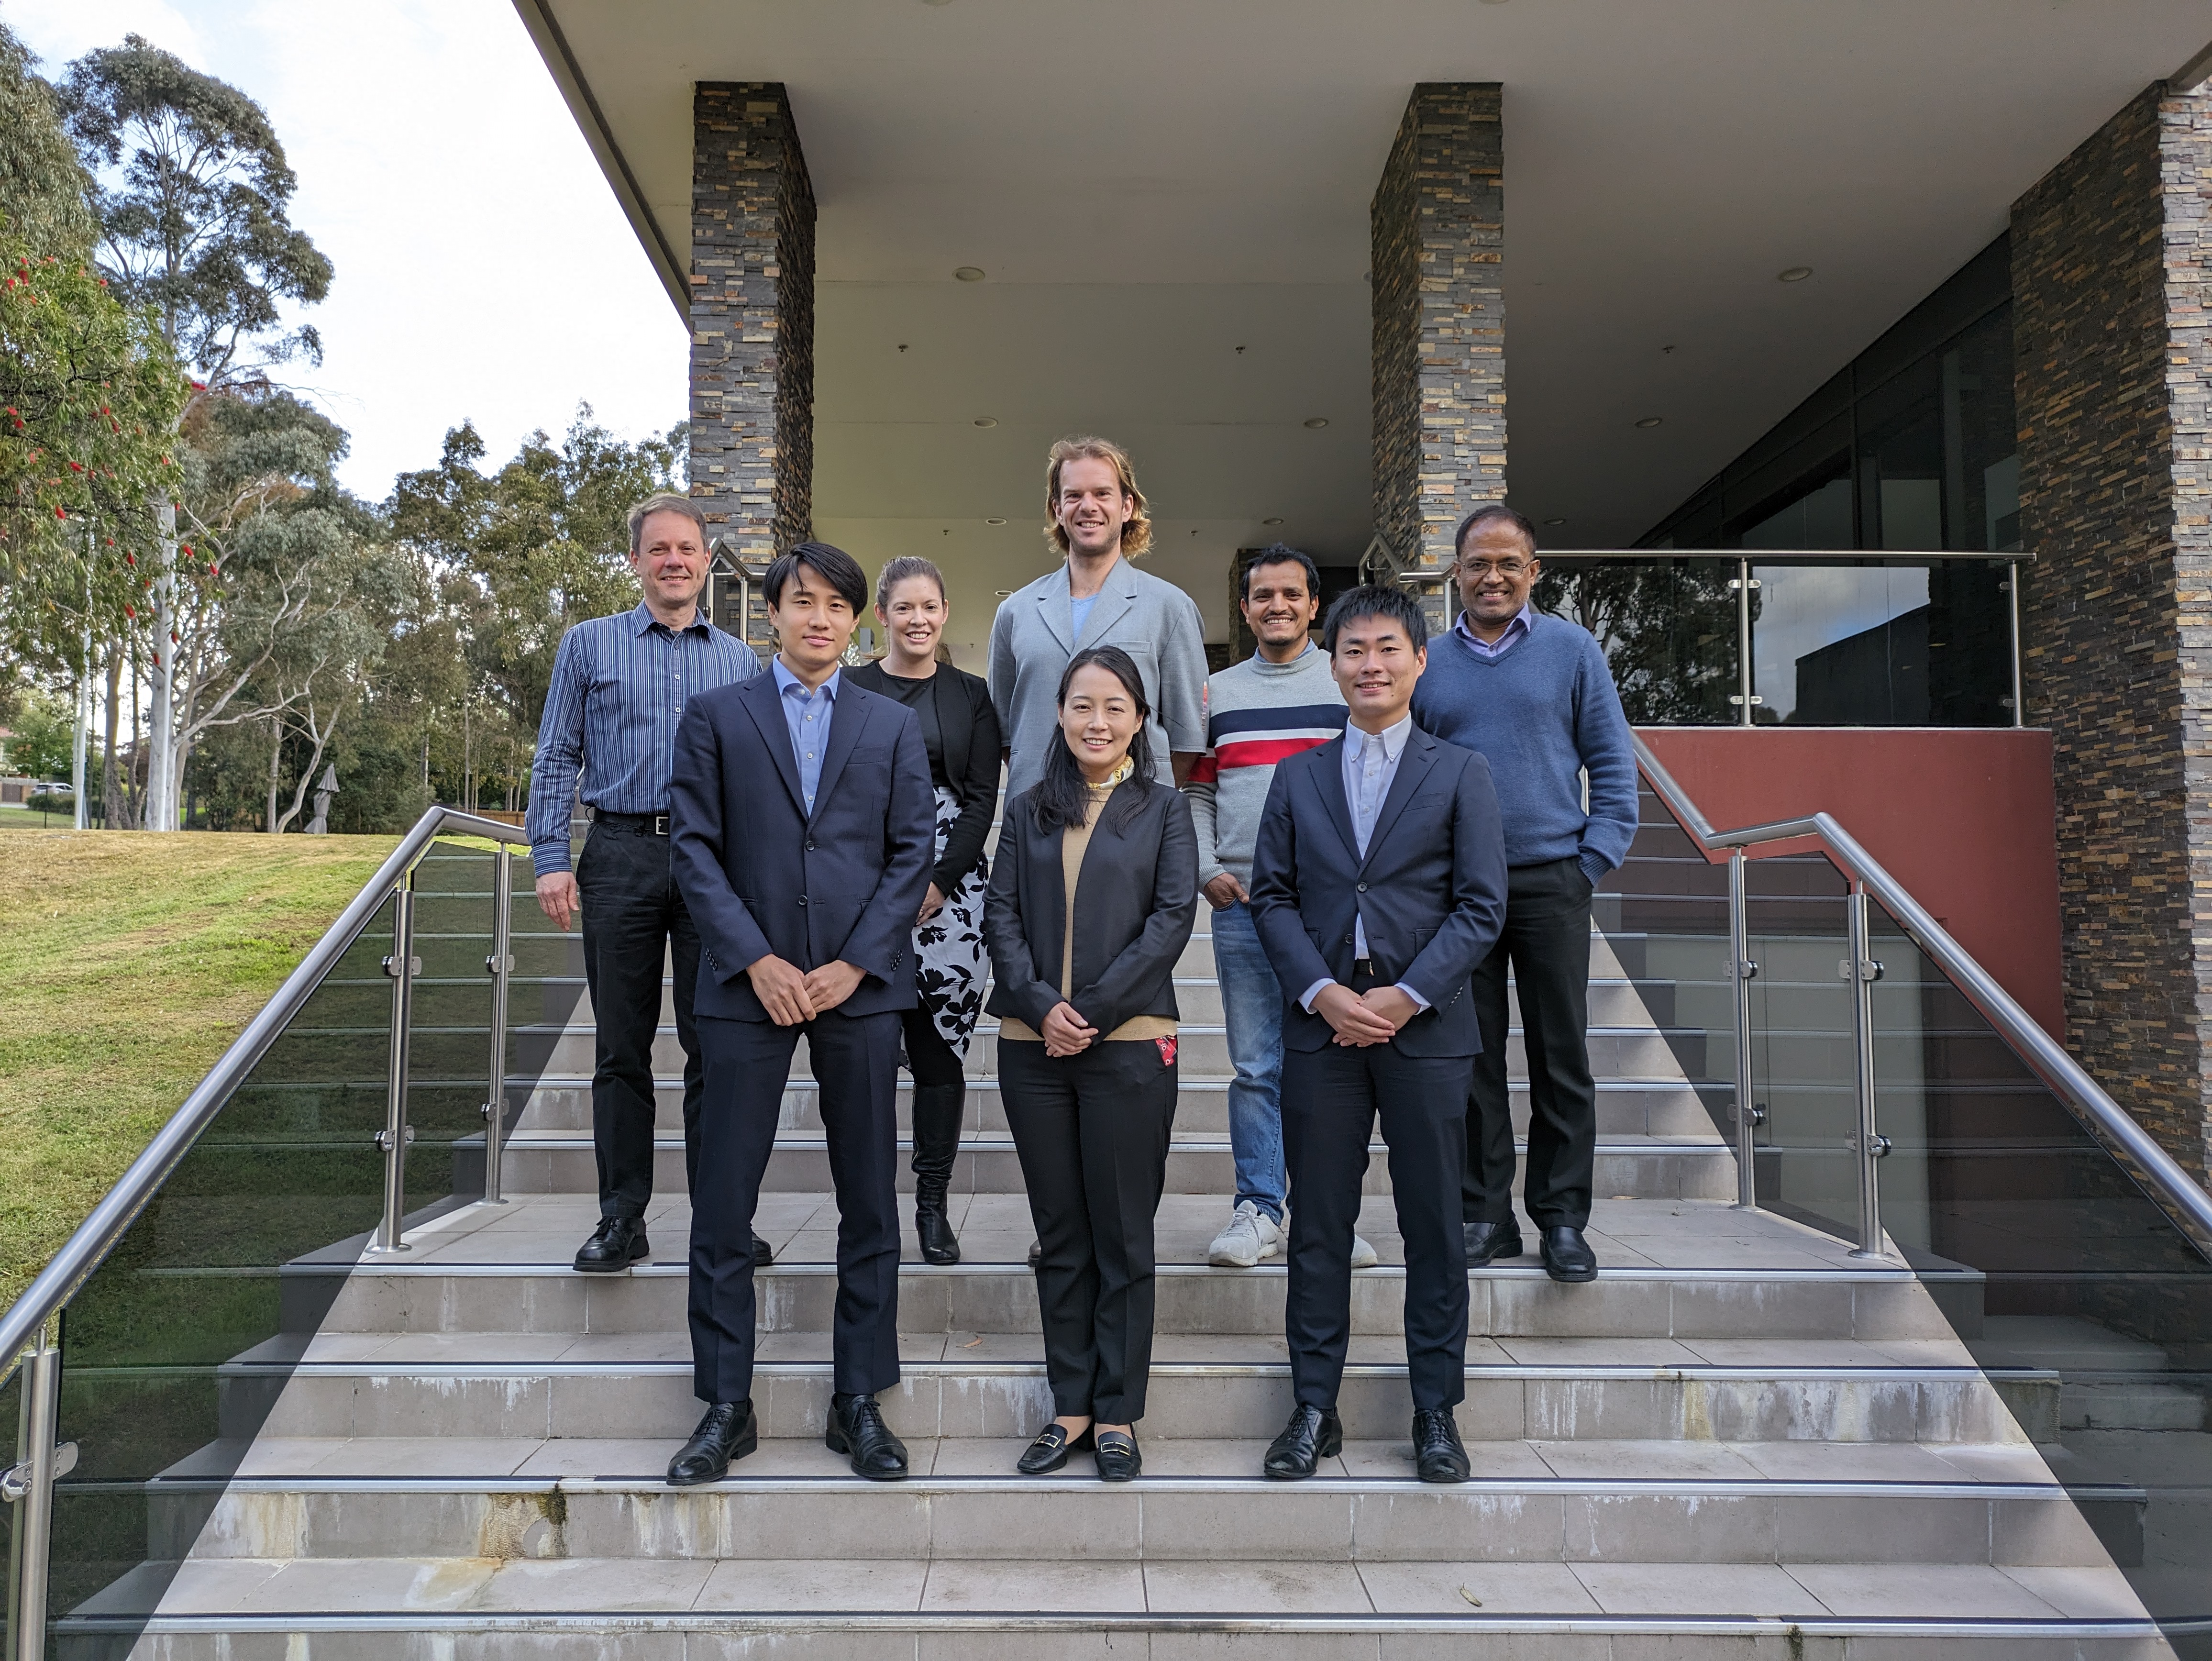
[[1033, 637]]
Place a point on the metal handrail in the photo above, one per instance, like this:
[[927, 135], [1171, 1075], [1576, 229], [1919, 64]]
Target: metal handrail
[[96, 1236], [1899, 557], [2187, 1204]]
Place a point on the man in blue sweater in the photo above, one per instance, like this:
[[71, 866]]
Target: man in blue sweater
[[1533, 694]]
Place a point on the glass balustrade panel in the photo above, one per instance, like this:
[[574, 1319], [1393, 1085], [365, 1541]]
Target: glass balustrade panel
[[1861, 645], [1668, 628], [1803, 1064], [449, 1050], [2060, 1273]]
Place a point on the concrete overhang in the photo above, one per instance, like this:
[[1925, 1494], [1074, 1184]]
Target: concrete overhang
[[1151, 184]]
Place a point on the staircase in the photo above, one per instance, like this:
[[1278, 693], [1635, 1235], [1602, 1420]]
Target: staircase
[[1739, 1441]]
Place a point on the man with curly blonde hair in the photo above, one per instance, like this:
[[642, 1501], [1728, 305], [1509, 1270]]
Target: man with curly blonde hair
[[1097, 521]]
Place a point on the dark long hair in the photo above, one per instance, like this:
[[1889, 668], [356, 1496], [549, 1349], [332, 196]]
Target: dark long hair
[[1062, 798]]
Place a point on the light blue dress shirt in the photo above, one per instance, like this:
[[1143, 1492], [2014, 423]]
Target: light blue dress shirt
[[1517, 629], [807, 715], [1370, 764]]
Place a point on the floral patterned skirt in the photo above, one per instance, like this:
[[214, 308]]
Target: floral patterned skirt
[[949, 949]]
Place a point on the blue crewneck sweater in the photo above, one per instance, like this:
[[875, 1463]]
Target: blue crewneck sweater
[[1540, 714]]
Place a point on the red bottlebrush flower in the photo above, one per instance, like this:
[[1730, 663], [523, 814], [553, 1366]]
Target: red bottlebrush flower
[[130, 611], [61, 513], [128, 559], [210, 570], [77, 466], [185, 550]]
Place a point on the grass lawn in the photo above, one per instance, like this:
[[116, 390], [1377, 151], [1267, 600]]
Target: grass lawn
[[133, 960], [14, 816]]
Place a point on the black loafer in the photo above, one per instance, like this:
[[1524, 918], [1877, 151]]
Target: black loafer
[[763, 1255], [1487, 1242], [1313, 1434], [1439, 1456], [857, 1430], [1050, 1451], [1567, 1255], [728, 1432], [1117, 1456], [614, 1244]]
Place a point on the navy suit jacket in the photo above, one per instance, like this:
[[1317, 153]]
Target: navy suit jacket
[[1432, 891], [759, 875]]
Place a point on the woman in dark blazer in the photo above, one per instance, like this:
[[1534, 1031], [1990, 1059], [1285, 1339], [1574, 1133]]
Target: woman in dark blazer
[[1091, 904], [960, 730]]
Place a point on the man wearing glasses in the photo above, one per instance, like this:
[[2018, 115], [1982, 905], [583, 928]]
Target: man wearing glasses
[[1532, 693]]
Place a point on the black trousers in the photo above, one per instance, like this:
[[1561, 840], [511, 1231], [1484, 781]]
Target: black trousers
[[1331, 1100], [856, 1066], [1546, 940], [635, 920], [1091, 1130]]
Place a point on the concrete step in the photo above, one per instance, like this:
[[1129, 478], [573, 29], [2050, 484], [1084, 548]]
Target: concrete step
[[1645, 1168], [455, 1385], [794, 1501], [1624, 1108]]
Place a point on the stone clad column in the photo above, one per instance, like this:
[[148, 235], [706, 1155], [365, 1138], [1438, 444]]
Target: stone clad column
[[2113, 357], [1438, 228], [752, 317]]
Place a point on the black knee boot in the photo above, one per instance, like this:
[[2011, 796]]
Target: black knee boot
[[937, 1110]]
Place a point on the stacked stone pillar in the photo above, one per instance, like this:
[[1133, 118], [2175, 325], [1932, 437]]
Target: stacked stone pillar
[[752, 318], [2111, 251], [1438, 227]]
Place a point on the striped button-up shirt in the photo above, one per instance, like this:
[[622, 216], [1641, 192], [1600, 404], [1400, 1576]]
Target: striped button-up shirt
[[619, 685]]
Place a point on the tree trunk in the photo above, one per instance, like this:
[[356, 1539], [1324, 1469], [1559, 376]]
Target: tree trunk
[[275, 758], [111, 784], [160, 808]]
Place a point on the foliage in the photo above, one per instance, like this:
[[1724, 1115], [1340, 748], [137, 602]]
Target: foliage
[[50, 801], [44, 191], [192, 196], [45, 729], [88, 394], [1668, 629]]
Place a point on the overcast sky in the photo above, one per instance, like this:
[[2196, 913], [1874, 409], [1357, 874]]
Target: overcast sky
[[483, 269]]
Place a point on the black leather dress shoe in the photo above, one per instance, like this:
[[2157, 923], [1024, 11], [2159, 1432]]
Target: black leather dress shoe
[[1439, 1456], [728, 1432], [764, 1255], [1487, 1242], [1119, 1460], [1313, 1434], [857, 1430], [1050, 1451], [1567, 1255], [614, 1244], [1037, 1253]]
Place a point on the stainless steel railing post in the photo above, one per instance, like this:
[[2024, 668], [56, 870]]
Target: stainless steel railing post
[[499, 965], [29, 1485], [402, 966], [2012, 613], [1743, 697], [1869, 1143], [1741, 971]]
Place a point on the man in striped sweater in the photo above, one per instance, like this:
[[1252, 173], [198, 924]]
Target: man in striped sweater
[[1273, 704]]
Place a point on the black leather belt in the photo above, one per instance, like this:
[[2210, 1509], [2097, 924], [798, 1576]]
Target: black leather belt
[[638, 824], [1363, 966]]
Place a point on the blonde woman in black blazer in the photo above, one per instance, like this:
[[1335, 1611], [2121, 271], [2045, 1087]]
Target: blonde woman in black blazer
[[1085, 991]]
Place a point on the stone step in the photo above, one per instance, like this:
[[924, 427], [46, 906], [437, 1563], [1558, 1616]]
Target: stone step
[[811, 1507], [1624, 1108], [936, 1610], [1646, 1168], [1700, 1308], [444, 1385]]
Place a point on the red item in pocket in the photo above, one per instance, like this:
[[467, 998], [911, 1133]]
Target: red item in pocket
[[1167, 1048]]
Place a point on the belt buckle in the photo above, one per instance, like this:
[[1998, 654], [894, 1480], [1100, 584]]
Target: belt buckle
[[660, 825]]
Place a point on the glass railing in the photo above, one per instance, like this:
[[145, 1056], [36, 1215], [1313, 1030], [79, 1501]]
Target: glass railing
[[1903, 1103], [351, 1115], [1822, 638]]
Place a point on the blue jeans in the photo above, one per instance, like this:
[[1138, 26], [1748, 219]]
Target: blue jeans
[[1252, 1002]]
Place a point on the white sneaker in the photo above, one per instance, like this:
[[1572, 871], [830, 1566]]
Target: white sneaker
[[1363, 1256], [1251, 1235]]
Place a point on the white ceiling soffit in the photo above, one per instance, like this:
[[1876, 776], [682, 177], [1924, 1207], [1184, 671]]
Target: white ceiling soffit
[[1663, 163]]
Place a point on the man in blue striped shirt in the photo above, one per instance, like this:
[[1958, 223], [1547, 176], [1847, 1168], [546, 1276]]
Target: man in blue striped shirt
[[619, 685]]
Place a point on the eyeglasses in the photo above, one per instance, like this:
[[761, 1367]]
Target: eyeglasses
[[1508, 568]]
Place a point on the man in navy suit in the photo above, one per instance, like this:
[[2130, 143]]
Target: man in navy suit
[[1378, 884], [802, 830]]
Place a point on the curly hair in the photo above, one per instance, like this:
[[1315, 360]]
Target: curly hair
[[1136, 531]]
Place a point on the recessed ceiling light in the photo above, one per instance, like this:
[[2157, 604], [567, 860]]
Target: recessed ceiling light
[[1004, 594], [1276, 520], [1555, 521], [969, 273], [1794, 274], [1649, 421], [1316, 422], [947, 3], [994, 521], [986, 420]]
